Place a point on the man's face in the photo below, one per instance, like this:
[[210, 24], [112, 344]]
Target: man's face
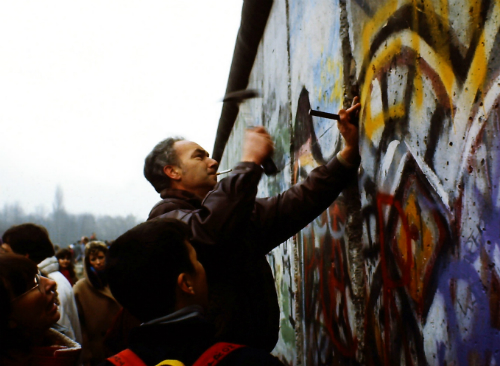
[[197, 169], [36, 309]]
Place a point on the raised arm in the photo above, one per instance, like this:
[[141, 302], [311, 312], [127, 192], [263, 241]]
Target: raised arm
[[227, 209], [275, 219]]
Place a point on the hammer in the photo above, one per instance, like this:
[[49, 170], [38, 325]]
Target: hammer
[[239, 97]]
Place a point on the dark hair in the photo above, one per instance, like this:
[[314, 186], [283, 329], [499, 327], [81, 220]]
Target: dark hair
[[29, 239], [143, 265], [162, 154], [98, 280], [66, 253], [16, 274]]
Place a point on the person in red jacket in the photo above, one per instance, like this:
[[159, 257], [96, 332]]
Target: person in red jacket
[[154, 272], [66, 267]]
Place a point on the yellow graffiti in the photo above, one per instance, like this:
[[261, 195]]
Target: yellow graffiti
[[392, 47], [378, 121], [479, 66], [336, 68], [477, 73], [331, 67], [419, 92], [372, 124], [378, 20], [380, 59], [438, 56], [439, 35]]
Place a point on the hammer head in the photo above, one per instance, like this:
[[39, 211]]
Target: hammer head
[[241, 95]]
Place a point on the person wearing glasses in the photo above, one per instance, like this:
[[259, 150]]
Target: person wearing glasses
[[28, 309], [33, 242]]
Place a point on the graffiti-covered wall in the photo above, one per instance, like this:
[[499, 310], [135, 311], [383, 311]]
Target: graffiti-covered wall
[[404, 268]]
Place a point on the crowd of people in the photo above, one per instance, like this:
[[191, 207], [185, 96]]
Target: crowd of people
[[85, 306], [190, 285]]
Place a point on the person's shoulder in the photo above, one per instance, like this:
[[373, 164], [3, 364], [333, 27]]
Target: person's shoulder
[[80, 285], [170, 204], [61, 280], [248, 356]]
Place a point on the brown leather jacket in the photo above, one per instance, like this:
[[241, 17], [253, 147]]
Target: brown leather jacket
[[232, 230]]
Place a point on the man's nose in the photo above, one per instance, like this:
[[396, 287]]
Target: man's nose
[[213, 164], [48, 284]]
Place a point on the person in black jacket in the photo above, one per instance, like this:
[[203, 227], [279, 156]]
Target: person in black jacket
[[232, 230], [154, 272]]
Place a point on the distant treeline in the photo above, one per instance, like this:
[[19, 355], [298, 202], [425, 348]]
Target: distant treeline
[[65, 228]]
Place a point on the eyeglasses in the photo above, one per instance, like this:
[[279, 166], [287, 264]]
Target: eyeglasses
[[37, 285]]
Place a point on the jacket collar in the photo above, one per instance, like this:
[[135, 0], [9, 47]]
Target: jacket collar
[[193, 311], [104, 291], [180, 194], [183, 335]]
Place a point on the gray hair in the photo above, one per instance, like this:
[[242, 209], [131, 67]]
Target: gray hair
[[162, 154]]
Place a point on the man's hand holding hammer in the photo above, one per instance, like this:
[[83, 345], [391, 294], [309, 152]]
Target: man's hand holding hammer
[[257, 145]]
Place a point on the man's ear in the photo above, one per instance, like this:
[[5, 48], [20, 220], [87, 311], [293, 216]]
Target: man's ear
[[6, 247], [184, 283], [172, 172]]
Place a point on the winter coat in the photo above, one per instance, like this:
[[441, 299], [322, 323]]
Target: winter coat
[[67, 274], [184, 336], [98, 310], [68, 309]]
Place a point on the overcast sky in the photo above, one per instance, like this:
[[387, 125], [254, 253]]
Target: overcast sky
[[88, 88]]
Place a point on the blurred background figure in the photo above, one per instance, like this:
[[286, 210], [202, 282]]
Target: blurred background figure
[[79, 254], [79, 248], [33, 242], [66, 266], [28, 309], [96, 305]]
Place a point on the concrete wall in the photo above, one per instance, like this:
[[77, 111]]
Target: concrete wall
[[407, 270]]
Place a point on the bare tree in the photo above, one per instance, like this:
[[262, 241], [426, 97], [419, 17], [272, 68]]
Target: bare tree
[[58, 205]]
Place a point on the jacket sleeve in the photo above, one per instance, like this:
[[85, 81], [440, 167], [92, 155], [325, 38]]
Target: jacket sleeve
[[275, 219], [225, 211]]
